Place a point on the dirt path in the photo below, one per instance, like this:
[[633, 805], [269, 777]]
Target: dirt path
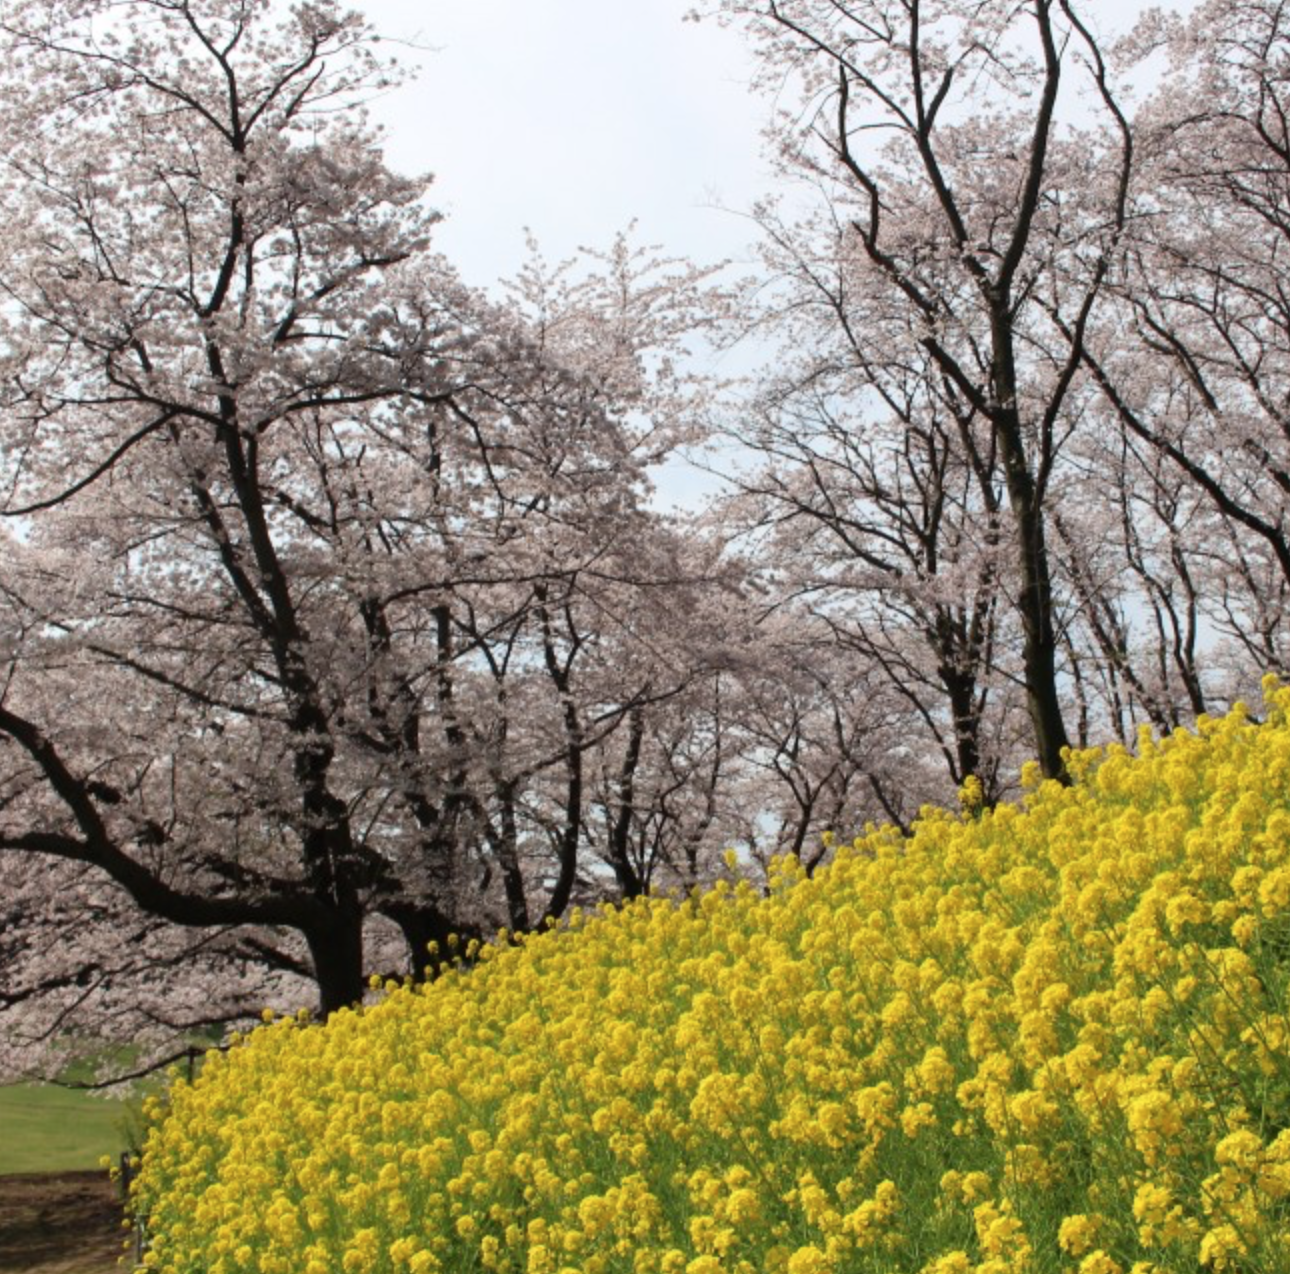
[[60, 1223]]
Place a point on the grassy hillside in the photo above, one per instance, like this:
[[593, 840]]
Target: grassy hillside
[[1050, 1037], [44, 1128]]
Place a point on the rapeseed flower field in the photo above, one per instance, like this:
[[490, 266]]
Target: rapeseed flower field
[[1051, 1036]]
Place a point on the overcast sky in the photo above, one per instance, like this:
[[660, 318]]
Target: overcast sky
[[573, 117]]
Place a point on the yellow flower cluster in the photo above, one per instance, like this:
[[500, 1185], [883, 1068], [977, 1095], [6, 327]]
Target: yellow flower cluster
[[1048, 1037]]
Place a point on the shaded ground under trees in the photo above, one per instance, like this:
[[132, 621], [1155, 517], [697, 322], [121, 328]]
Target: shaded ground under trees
[[59, 1223]]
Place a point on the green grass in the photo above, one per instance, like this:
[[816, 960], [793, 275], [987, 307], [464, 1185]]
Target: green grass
[[48, 1128], [44, 1128]]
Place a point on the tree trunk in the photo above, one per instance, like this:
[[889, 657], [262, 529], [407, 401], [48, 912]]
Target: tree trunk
[[506, 847], [337, 953], [960, 687], [1025, 501], [630, 884], [1039, 638]]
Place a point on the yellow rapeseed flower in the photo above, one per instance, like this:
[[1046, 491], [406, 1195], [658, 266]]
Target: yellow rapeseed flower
[[1048, 1036]]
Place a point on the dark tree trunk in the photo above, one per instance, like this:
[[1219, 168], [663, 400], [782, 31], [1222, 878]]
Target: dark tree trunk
[[337, 953], [1035, 603], [960, 687], [423, 924], [630, 884], [1039, 637]]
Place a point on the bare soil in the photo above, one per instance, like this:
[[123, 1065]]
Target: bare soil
[[60, 1223]]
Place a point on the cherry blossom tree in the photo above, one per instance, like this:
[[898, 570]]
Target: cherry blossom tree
[[825, 746], [336, 625], [311, 545], [882, 512], [1197, 368], [771, 745], [972, 224], [1136, 553]]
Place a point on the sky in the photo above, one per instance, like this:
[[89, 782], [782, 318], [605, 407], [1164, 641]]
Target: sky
[[573, 118]]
